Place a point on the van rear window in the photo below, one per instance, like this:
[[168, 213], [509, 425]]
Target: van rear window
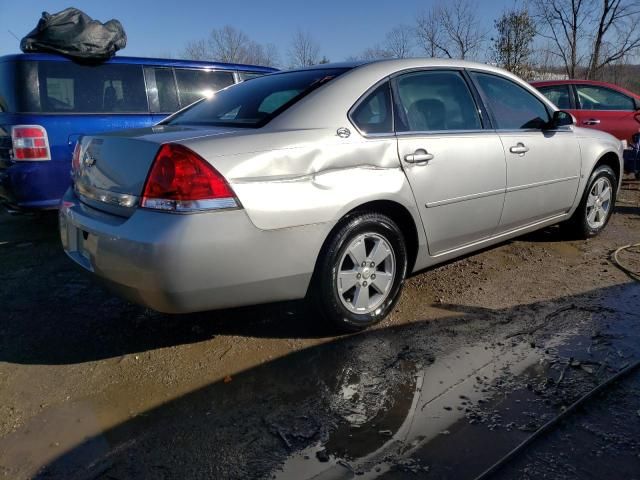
[[64, 87], [69, 87], [7, 87]]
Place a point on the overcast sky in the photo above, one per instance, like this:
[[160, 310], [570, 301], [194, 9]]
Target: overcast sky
[[161, 28]]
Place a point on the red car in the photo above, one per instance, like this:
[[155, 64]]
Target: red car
[[599, 105]]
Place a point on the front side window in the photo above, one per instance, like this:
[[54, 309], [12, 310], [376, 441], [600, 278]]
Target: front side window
[[196, 84], [435, 101], [72, 88], [602, 98], [560, 95], [373, 114], [513, 106], [253, 104]]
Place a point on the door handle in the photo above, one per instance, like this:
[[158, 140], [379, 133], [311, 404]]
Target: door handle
[[419, 156], [592, 121], [520, 149]]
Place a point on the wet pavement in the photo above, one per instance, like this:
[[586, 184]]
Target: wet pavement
[[479, 354]]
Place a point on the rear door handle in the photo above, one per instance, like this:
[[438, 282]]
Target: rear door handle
[[419, 156], [520, 149], [592, 121]]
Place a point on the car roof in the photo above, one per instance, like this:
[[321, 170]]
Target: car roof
[[165, 62], [613, 86], [391, 66]]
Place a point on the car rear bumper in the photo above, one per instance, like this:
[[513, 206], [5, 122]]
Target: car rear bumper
[[186, 263]]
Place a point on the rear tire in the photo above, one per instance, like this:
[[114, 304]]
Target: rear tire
[[596, 206], [360, 272]]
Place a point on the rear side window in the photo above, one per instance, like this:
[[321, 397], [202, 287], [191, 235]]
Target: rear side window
[[7, 87], [435, 101], [373, 114], [513, 107], [196, 84], [162, 91], [602, 98], [66, 87], [560, 95]]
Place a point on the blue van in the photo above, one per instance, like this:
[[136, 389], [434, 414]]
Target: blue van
[[47, 101]]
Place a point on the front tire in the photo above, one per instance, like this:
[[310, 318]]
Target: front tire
[[360, 272], [596, 206]]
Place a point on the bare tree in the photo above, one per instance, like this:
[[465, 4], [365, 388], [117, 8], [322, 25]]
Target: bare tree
[[562, 22], [399, 42], [257, 54], [196, 50], [304, 50], [616, 35], [512, 46], [228, 44], [451, 29], [430, 35]]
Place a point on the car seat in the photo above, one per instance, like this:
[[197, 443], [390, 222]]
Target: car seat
[[428, 114]]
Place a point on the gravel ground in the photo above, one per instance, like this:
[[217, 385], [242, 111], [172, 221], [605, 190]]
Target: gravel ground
[[94, 387]]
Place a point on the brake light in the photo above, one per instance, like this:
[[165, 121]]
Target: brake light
[[182, 181], [75, 159], [30, 143]]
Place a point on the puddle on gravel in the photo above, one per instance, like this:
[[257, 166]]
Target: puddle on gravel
[[479, 402]]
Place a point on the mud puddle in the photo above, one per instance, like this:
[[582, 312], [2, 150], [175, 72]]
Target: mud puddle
[[472, 406]]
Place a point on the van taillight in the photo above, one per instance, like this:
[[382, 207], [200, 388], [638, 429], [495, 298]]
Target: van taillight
[[30, 143], [75, 159]]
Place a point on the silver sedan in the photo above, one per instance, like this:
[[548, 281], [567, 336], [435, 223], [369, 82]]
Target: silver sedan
[[332, 184]]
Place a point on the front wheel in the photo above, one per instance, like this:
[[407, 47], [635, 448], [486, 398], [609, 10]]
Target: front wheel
[[361, 272], [596, 206]]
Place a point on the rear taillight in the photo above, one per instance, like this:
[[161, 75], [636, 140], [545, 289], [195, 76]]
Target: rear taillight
[[30, 143], [182, 181], [75, 159]]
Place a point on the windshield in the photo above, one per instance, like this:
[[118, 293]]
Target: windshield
[[253, 103]]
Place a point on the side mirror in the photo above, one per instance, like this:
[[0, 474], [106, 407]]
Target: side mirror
[[562, 119], [636, 101]]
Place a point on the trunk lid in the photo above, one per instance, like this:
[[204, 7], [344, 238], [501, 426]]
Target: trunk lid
[[111, 169]]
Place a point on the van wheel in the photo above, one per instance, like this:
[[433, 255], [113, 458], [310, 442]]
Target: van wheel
[[596, 206], [360, 272]]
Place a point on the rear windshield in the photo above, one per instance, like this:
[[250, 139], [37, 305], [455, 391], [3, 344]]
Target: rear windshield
[[64, 87], [253, 103]]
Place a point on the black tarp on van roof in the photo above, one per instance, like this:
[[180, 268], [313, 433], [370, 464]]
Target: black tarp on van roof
[[73, 33]]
